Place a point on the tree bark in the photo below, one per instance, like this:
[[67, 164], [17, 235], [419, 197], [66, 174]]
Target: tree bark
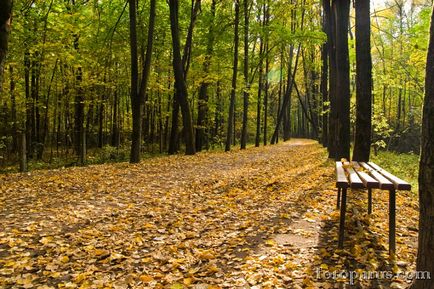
[[202, 113], [425, 261], [362, 145], [333, 116], [180, 85], [324, 73], [230, 128], [246, 75], [342, 11], [5, 24], [135, 101]]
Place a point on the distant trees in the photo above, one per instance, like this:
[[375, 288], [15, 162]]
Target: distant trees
[[426, 176]]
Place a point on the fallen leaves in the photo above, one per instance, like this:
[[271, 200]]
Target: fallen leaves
[[216, 220]]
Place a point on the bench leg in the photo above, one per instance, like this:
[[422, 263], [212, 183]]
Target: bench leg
[[369, 201], [342, 218], [392, 221], [339, 199]]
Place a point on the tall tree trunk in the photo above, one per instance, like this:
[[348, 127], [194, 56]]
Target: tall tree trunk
[[14, 119], [286, 104], [425, 252], [180, 85], [324, 73], [246, 92], [185, 60], [362, 145], [333, 116], [267, 70], [230, 128], [79, 132], [260, 88], [138, 90], [135, 100], [202, 113], [342, 10], [5, 24]]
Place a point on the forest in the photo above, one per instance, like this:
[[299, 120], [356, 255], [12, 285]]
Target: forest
[[254, 73], [192, 144]]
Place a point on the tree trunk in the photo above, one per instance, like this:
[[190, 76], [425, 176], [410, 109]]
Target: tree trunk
[[202, 113], [135, 101], [246, 75], [362, 145], [333, 116], [230, 128], [5, 24], [425, 253], [342, 11], [185, 64], [180, 85], [324, 74]]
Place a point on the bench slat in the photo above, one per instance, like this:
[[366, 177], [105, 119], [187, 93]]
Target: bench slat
[[367, 180], [384, 183], [355, 181], [341, 178], [399, 184]]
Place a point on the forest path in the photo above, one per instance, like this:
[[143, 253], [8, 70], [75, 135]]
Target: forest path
[[239, 219]]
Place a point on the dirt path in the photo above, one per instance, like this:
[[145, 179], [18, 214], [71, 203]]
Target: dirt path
[[247, 219]]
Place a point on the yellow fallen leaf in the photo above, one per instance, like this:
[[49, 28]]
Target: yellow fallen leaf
[[146, 278]]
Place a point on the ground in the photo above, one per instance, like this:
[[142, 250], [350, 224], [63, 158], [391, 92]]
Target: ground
[[259, 218]]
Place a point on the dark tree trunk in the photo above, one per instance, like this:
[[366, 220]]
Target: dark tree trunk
[[180, 85], [333, 116], [14, 119], [79, 132], [185, 64], [260, 88], [267, 69], [230, 128], [135, 100], [286, 105], [138, 90], [115, 141], [425, 253], [362, 145], [324, 73], [246, 75], [342, 10], [5, 23], [202, 114]]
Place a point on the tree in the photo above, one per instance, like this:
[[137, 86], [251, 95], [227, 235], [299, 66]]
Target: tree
[[202, 113], [342, 11], [135, 100], [5, 22], [324, 72], [180, 85], [426, 176], [246, 92], [230, 128], [362, 144]]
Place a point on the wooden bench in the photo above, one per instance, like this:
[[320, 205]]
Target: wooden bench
[[361, 175]]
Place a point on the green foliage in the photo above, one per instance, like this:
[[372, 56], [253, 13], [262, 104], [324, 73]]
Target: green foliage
[[404, 165]]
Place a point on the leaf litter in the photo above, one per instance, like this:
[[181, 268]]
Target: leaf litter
[[259, 218]]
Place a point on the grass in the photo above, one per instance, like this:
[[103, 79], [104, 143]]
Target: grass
[[402, 165]]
